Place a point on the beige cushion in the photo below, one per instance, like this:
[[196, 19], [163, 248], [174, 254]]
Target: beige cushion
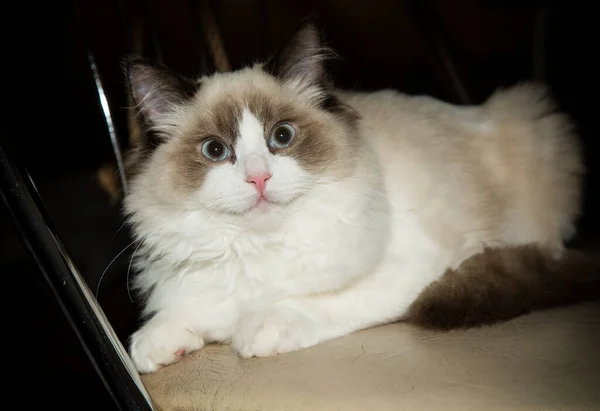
[[543, 361]]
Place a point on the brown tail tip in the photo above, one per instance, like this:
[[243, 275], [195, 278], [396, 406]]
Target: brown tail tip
[[502, 283]]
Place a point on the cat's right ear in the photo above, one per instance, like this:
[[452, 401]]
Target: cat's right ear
[[156, 91]]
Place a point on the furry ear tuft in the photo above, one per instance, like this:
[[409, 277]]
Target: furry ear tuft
[[302, 59], [156, 91]]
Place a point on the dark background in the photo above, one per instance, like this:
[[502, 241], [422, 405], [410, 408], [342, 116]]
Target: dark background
[[382, 44]]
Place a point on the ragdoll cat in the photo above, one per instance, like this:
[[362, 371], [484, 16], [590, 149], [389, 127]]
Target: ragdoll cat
[[274, 212]]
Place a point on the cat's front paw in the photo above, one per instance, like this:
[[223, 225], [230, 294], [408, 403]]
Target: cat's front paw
[[275, 330], [161, 342]]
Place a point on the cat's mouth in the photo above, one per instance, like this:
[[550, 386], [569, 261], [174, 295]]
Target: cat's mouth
[[266, 202], [263, 202]]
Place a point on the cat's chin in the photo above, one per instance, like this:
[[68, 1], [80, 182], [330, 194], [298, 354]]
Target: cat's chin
[[258, 207], [265, 216], [263, 205]]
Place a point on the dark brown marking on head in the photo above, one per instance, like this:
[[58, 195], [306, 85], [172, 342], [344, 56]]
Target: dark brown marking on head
[[190, 167], [269, 109], [312, 148], [186, 167], [502, 283], [316, 143], [219, 121], [223, 120]]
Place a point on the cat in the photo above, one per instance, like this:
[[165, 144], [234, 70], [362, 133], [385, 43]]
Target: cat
[[275, 212]]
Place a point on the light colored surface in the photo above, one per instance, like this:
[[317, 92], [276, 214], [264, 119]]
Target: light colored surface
[[543, 361]]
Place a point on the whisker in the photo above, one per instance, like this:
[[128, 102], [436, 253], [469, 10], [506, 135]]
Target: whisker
[[108, 266], [117, 232]]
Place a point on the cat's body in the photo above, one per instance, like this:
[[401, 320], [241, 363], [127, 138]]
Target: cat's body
[[376, 196]]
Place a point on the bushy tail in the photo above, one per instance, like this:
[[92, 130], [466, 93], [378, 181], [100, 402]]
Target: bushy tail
[[502, 283]]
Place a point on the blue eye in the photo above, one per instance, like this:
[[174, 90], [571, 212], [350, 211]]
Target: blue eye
[[282, 136], [215, 150]]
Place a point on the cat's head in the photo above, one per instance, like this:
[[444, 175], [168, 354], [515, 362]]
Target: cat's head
[[246, 141]]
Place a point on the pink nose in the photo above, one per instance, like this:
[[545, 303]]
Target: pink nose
[[259, 181]]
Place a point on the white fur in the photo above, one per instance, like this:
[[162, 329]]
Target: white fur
[[331, 256]]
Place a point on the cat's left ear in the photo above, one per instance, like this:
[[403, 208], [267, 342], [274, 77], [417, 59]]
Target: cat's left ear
[[156, 91], [302, 59]]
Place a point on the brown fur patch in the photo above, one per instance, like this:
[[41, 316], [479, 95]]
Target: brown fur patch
[[312, 149], [221, 122], [502, 283], [190, 167]]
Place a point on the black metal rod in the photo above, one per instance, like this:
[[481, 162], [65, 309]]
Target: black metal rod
[[103, 100], [78, 304], [108, 118]]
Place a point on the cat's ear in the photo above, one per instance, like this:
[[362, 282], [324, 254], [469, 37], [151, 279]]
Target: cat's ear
[[302, 58], [156, 91]]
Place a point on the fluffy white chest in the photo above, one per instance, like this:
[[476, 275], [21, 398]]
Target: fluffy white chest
[[320, 247]]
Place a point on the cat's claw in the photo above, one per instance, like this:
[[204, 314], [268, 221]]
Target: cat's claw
[[162, 343], [273, 331]]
